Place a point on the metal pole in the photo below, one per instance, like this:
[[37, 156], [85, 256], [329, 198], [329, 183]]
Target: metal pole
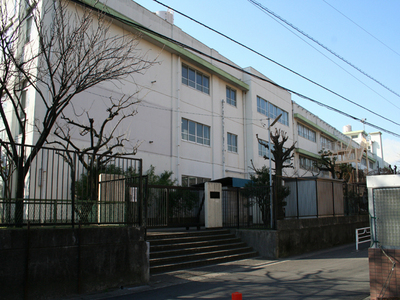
[[270, 174], [270, 167]]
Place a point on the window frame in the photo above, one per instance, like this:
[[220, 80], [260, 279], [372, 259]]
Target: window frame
[[22, 105], [326, 143], [190, 131], [308, 165], [195, 79], [192, 180], [272, 111], [306, 132], [262, 149], [232, 142], [229, 99]]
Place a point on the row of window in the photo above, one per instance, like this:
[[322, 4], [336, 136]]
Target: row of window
[[192, 180], [272, 111], [263, 151], [200, 134], [201, 82], [306, 132], [308, 164], [195, 79], [326, 143], [311, 135], [195, 132]]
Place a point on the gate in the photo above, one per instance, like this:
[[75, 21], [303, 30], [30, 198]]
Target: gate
[[174, 206]]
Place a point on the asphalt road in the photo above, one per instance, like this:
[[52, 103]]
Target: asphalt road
[[338, 273]]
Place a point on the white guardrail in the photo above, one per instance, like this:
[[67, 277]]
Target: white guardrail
[[363, 235]]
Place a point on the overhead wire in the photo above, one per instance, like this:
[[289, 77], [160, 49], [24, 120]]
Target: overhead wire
[[334, 62], [280, 65], [141, 27], [267, 10], [363, 29]]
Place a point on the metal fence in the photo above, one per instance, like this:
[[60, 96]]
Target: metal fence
[[246, 207], [320, 197], [65, 187], [174, 206]]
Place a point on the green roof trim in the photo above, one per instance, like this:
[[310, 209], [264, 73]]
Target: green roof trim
[[307, 153], [172, 46], [315, 126]]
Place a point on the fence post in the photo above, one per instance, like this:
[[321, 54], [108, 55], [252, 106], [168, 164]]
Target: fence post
[[73, 175], [316, 196], [333, 198], [237, 207], [297, 198], [141, 210], [167, 206]]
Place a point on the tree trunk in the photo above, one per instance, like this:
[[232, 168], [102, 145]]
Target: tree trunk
[[19, 195]]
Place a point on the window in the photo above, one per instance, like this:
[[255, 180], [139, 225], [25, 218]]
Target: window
[[195, 79], [326, 143], [263, 151], [308, 164], [371, 165], [230, 96], [28, 29], [272, 111], [195, 132], [192, 180], [22, 107], [232, 142], [306, 132]]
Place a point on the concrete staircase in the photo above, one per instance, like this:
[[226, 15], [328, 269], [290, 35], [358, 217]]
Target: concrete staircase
[[187, 249]]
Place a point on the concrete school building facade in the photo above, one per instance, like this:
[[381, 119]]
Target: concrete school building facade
[[199, 113]]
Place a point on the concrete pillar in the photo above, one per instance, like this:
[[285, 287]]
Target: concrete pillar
[[213, 205]]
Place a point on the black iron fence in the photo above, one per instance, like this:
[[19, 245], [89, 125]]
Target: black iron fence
[[65, 187], [246, 207], [174, 206]]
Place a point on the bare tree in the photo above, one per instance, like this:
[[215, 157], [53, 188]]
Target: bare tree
[[282, 157], [57, 49], [105, 144], [327, 162]]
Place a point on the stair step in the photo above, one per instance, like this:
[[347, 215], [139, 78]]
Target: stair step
[[186, 239], [194, 249], [152, 235], [202, 262], [182, 249], [197, 256], [168, 246]]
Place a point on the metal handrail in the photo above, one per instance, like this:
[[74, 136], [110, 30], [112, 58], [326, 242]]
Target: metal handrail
[[363, 235]]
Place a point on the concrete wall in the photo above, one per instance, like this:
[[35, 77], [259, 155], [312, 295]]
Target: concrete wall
[[49, 263], [294, 237], [304, 235]]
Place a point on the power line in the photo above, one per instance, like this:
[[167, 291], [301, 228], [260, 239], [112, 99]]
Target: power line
[[339, 66], [273, 61], [267, 10], [141, 27], [394, 51]]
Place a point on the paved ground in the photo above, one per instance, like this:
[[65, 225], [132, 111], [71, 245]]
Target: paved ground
[[338, 273]]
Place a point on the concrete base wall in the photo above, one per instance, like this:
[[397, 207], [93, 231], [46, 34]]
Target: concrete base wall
[[265, 242], [47, 263], [294, 237]]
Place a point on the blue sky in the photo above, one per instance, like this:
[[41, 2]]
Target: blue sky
[[365, 33]]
